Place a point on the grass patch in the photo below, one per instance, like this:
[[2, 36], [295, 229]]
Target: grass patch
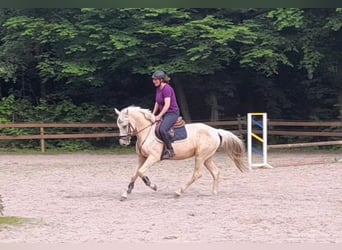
[[12, 221]]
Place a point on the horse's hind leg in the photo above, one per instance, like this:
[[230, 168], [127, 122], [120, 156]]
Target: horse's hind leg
[[148, 183], [195, 176], [215, 173]]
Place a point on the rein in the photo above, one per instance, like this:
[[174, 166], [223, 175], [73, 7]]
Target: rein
[[131, 133], [150, 125], [142, 144]]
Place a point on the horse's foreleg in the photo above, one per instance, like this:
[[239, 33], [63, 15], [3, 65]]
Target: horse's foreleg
[[130, 187], [215, 173], [144, 164], [195, 176]]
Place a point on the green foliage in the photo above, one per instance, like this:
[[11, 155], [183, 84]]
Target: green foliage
[[7, 115], [75, 65], [265, 60], [64, 112], [335, 21], [76, 69], [122, 41], [7, 71], [203, 44], [6, 109], [72, 145], [286, 17], [311, 59]]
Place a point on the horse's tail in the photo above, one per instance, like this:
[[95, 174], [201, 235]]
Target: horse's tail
[[235, 148]]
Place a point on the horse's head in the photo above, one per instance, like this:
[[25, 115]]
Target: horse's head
[[131, 121], [124, 127]]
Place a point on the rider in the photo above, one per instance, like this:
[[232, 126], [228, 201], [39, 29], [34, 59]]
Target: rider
[[165, 108]]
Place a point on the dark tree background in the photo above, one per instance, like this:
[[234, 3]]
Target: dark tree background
[[76, 65]]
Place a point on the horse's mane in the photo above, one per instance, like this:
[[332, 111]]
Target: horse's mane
[[147, 113], [136, 108]]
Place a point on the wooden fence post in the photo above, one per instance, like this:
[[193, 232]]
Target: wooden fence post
[[239, 125], [42, 141]]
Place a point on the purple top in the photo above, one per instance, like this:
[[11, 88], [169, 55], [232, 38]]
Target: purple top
[[167, 91]]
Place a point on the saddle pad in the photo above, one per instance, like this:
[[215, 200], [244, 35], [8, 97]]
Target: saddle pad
[[179, 134]]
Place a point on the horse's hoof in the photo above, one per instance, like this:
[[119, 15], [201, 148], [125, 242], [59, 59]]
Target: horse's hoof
[[154, 187], [177, 194], [123, 197]]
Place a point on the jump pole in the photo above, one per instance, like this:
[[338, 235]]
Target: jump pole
[[263, 140]]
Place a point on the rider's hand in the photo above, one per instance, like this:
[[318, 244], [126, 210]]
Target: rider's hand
[[158, 117]]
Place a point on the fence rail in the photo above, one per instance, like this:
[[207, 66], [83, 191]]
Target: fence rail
[[331, 129], [43, 135]]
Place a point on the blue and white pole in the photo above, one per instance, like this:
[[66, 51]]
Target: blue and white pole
[[251, 122]]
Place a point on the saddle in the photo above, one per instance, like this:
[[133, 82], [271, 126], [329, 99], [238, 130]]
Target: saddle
[[180, 123]]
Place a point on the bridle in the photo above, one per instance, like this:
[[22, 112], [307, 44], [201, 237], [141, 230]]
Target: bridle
[[131, 131]]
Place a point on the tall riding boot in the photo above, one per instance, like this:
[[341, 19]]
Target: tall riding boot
[[168, 153]]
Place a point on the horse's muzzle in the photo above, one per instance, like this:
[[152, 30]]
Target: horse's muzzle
[[125, 140]]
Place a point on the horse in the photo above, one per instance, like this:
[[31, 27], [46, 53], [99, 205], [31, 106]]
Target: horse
[[202, 142]]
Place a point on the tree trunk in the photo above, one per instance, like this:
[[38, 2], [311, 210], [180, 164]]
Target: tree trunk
[[215, 107], [42, 90], [181, 98], [339, 106], [338, 79]]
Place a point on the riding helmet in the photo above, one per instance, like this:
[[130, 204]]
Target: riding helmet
[[159, 75]]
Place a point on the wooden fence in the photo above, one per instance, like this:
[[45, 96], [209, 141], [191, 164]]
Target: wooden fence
[[312, 129], [293, 129], [298, 129], [42, 135]]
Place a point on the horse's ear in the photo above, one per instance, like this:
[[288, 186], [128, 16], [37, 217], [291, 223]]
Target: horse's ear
[[117, 111]]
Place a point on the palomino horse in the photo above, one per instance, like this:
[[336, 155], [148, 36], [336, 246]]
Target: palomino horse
[[202, 142]]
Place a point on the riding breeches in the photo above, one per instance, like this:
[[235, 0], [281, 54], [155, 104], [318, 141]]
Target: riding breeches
[[169, 119]]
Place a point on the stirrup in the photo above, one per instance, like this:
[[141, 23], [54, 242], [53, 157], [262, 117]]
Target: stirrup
[[168, 153]]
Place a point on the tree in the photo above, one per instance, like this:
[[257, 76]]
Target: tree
[[222, 61]]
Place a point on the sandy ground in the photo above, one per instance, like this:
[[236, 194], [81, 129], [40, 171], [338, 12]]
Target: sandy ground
[[75, 198]]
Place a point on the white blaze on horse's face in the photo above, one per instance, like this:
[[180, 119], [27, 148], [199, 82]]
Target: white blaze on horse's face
[[123, 125]]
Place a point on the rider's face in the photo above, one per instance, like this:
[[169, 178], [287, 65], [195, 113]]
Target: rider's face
[[156, 82]]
